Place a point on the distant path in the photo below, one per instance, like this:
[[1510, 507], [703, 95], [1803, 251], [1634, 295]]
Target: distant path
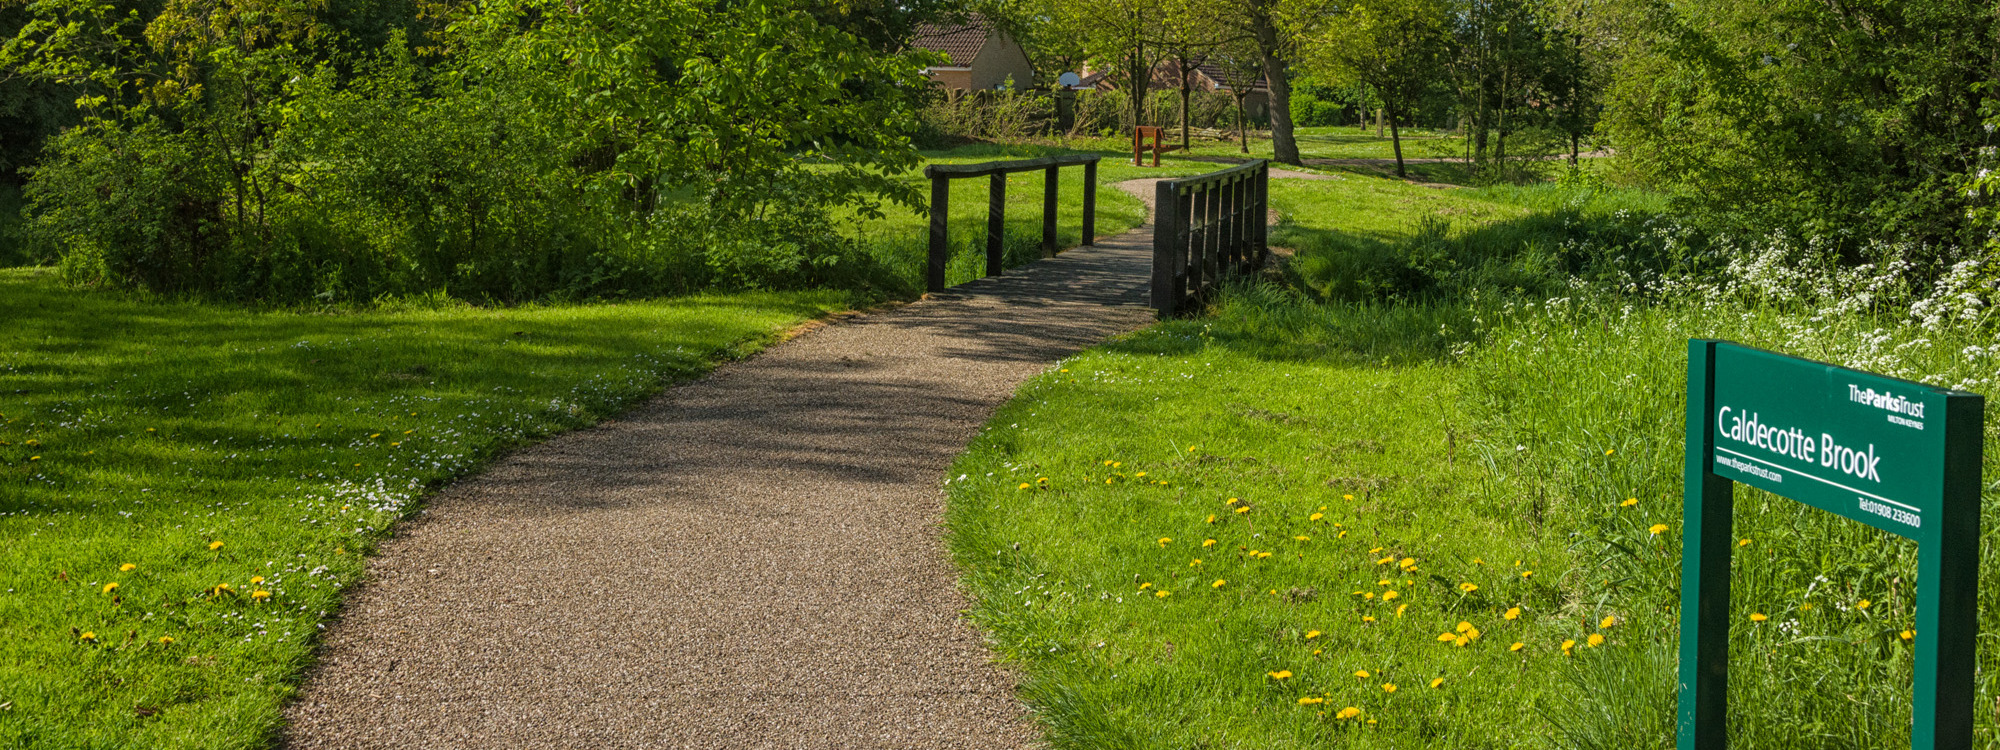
[[752, 560]]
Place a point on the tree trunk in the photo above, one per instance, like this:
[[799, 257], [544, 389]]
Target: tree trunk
[[1284, 148], [1395, 140], [1242, 136], [1186, 91], [1378, 121], [1572, 150]]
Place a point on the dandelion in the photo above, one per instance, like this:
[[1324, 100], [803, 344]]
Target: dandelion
[[1595, 639], [1384, 582], [1447, 637], [376, 435], [1146, 585], [1370, 596], [1195, 563], [87, 635], [1347, 497], [1311, 634], [1527, 574], [1211, 518], [1386, 560], [34, 458], [1317, 651], [1025, 485], [1467, 587], [1161, 594], [1657, 529], [1517, 646], [1315, 516], [260, 595], [1376, 551], [1388, 595], [1361, 673], [1388, 687], [166, 640], [1208, 542], [1567, 645], [1347, 713], [1608, 621], [1863, 604], [1744, 543], [1758, 617], [1460, 641], [256, 579], [1262, 555], [1244, 509], [1282, 674], [1629, 502], [1367, 618], [1140, 474], [1437, 682], [1301, 539], [213, 546], [1408, 563], [1609, 451], [126, 568], [110, 587], [1218, 583], [1311, 701], [1464, 626], [1400, 608], [1512, 614], [1165, 540], [1907, 635]]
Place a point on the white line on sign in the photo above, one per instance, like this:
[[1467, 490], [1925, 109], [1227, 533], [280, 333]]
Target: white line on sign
[[1911, 508]]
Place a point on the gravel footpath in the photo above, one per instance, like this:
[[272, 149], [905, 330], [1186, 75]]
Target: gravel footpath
[[752, 560]]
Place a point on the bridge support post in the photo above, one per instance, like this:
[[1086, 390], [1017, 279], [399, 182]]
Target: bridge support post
[[1049, 211], [1090, 202], [996, 222], [940, 215]]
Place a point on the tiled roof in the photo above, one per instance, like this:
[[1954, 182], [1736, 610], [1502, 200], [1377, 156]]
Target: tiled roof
[[959, 41], [1214, 73]]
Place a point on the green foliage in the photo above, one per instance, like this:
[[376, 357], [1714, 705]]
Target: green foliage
[[533, 149]]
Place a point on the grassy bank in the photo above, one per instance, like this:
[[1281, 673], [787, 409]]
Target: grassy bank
[[185, 489], [1486, 383]]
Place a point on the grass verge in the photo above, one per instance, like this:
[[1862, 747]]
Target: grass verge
[[186, 489]]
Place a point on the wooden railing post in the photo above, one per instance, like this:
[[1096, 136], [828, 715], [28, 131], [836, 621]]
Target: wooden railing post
[[1187, 268], [996, 223], [940, 215], [1166, 219], [1049, 210], [1090, 202], [1261, 219]]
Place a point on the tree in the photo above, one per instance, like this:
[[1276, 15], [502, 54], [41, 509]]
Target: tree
[[1395, 47], [1120, 33], [1242, 66], [1189, 35]]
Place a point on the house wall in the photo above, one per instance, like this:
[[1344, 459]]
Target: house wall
[[998, 60], [952, 78]]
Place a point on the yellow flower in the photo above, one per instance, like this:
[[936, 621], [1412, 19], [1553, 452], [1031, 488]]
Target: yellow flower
[[1262, 555], [1408, 563], [212, 546], [1512, 614], [1140, 474], [1388, 687], [1744, 543], [1863, 604], [1283, 674], [1608, 621], [1211, 518], [1197, 562], [261, 594], [126, 568], [1384, 582], [1568, 644], [1311, 634], [1317, 651], [1467, 587], [110, 587], [1517, 646], [1231, 501], [1025, 485], [1907, 635], [1370, 596], [1367, 618], [1400, 608], [1347, 497], [256, 579], [1527, 574], [1629, 502], [1388, 595], [1447, 637], [1436, 682], [1244, 509], [1208, 543], [34, 458], [1608, 451], [1161, 594], [1361, 673], [1460, 641], [1376, 551], [1165, 540], [1315, 516], [1311, 701], [376, 435], [1218, 583], [166, 640], [1657, 529], [1595, 639], [1146, 585], [1758, 617], [1464, 626], [87, 636], [1301, 539]]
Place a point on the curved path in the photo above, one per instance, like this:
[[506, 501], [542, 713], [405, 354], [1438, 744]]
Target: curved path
[[751, 560]]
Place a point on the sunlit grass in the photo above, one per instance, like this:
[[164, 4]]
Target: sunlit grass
[[243, 463]]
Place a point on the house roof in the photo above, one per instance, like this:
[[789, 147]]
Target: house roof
[[1214, 73], [959, 41]]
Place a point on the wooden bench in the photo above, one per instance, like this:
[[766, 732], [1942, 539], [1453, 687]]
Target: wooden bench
[[1140, 147]]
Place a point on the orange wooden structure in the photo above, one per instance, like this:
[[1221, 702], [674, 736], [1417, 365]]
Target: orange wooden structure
[[1140, 147]]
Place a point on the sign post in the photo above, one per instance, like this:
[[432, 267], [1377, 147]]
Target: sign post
[[1894, 454]]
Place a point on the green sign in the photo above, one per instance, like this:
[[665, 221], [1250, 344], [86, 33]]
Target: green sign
[[1897, 455]]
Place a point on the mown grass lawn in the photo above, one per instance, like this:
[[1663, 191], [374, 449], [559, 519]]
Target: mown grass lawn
[[186, 489]]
